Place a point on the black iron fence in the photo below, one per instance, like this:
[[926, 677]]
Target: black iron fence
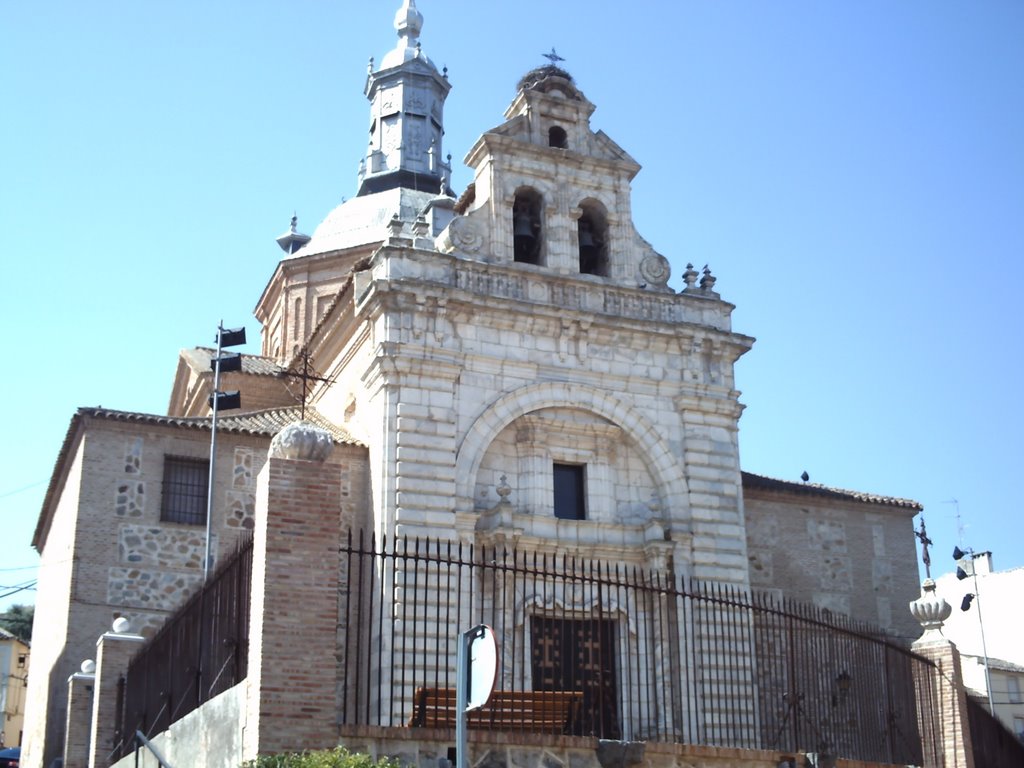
[[201, 651], [994, 745], [633, 652]]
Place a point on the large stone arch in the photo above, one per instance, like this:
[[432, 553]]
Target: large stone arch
[[665, 468]]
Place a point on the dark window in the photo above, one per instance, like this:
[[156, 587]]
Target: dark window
[[557, 137], [184, 492], [579, 655], [570, 491]]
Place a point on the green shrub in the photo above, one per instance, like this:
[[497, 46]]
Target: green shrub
[[339, 757]]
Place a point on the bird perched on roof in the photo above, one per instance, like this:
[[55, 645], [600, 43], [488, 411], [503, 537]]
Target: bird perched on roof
[[804, 476]]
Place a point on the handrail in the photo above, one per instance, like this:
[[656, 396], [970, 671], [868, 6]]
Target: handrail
[[141, 737]]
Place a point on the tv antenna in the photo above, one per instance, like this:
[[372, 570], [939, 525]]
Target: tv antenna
[[959, 521]]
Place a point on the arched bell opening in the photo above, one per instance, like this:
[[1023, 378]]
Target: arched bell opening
[[592, 237], [557, 137], [526, 226]]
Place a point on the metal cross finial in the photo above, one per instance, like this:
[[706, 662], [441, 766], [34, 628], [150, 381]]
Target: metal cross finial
[[922, 535], [303, 370], [553, 57]]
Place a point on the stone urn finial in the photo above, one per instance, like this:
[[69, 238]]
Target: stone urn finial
[[931, 611], [504, 489], [302, 440]]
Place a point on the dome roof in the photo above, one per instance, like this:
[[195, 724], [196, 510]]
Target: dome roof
[[363, 220]]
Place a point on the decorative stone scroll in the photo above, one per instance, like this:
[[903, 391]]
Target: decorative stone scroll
[[463, 235], [655, 269]]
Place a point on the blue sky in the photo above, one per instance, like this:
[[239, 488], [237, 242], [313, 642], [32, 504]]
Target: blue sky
[[853, 172]]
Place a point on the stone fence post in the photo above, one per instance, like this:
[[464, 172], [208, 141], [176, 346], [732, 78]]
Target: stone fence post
[[113, 652], [294, 614], [79, 724], [942, 700]]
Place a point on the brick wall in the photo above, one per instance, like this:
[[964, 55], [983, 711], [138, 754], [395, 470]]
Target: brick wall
[[302, 509]]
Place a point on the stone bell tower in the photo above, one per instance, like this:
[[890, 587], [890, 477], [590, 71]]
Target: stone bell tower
[[525, 372], [551, 192]]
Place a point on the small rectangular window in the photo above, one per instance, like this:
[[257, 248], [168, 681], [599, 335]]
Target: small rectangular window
[[570, 491], [1013, 687], [184, 492]]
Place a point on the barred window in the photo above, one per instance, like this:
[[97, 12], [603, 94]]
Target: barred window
[[184, 492]]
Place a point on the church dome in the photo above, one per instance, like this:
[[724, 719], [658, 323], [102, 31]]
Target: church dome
[[364, 220]]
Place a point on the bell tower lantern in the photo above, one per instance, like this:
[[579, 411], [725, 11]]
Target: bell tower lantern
[[407, 98]]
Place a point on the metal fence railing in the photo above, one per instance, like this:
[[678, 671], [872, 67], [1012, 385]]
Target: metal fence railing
[[201, 651], [622, 652], [633, 652], [994, 745]]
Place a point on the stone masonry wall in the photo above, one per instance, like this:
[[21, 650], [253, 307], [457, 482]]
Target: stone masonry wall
[[428, 749], [113, 555], [43, 737], [855, 559]]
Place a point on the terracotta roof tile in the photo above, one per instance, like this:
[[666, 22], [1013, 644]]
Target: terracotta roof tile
[[762, 483], [199, 360], [266, 423], [263, 423]]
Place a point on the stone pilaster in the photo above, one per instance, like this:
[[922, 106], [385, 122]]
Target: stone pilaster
[[942, 698], [79, 724], [294, 614], [113, 651]]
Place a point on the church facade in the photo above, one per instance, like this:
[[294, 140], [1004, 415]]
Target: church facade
[[505, 367]]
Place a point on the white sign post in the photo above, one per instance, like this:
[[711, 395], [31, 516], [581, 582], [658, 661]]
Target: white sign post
[[475, 671]]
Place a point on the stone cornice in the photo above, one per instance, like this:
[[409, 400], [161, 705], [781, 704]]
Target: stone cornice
[[393, 268]]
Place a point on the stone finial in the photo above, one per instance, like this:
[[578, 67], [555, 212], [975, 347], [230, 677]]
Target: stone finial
[[88, 667], [931, 611], [408, 20], [503, 489], [121, 625], [302, 440], [654, 504], [420, 227], [395, 226], [707, 282], [690, 277]]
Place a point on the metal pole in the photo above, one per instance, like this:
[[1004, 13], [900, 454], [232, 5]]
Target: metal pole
[[981, 625], [213, 454], [461, 697]]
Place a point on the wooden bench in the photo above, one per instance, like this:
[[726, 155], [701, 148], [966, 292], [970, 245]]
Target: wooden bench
[[526, 711]]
